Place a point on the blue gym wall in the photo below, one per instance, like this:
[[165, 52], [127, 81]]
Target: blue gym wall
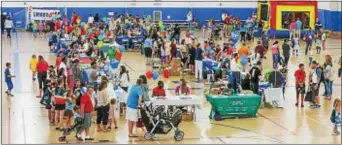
[[331, 19]]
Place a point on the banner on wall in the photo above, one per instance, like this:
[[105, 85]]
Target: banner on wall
[[40, 14]]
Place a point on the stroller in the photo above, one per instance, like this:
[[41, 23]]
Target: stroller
[[161, 120], [250, 34], [76, 126]]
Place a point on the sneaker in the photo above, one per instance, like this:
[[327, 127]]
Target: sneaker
[[78, 138], [7, 93], [296, 104], [89, 138], [302, 105], [57, 128]]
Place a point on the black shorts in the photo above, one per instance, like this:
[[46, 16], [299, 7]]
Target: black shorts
[[315, 91], [60, 107], [68, 113], [300, 90], [50, 43], [148, 52]]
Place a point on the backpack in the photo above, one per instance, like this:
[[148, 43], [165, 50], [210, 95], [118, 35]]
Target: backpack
[[333, 116], [322, 78]]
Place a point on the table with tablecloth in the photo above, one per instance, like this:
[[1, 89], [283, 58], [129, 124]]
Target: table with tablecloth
[[121, 40]]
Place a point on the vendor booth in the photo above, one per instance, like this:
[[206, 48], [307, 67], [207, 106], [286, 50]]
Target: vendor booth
[[277, 15]]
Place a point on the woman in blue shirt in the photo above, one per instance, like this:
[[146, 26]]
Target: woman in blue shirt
[[134, 100]]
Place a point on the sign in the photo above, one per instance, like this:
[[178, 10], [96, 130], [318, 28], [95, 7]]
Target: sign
[[110, 13], [40, 14]]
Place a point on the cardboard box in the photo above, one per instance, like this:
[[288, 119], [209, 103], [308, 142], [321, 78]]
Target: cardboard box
[[187, 116]]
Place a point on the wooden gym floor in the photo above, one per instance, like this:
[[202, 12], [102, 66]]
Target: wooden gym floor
[[24, 120]]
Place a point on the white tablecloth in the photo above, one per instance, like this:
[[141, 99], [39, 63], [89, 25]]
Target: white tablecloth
[[177, 100], [274, 96]]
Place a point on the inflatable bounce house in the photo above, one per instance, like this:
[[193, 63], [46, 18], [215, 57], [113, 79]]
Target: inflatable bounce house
[[277, 16]]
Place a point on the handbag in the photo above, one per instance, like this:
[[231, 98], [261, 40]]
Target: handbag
[[139, 123], [308, 96]]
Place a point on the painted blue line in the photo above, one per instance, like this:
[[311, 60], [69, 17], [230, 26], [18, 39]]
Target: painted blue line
[[16, 70]]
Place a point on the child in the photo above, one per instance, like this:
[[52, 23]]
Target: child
[[77, 116], [35, 29], [33, 65], [228, 91], [310, 58], [112, 114], [69, 107], [8, 79], [318, 45], [284, 71], [335, 117], [47, 101]]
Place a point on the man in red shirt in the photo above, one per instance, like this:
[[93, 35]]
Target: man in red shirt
[[42, 69], [57, 25], [159, 90], [74, 18], [86, 109], [260, 49], [300, 83]]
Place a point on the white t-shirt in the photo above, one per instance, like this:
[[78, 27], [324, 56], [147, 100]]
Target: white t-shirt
[[314, 76], [90, 19], [233, 65], [8, 24], [323, 36], [62, 65], [124, 80], [223, 16]]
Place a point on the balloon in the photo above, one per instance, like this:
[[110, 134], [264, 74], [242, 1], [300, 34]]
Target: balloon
[[82, 24], [91, 35], [90, 30], [104, 19], [151, 21], [99, 43], [166, 73], [85, 26], [160, 23], [122, 48], [155, 75], [78, 21], [149, 74], [100, 37], [162, 27], [149, 17], [114, 64], [148, 28]]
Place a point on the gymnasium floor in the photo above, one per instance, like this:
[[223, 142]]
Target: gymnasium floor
[[24, 120]]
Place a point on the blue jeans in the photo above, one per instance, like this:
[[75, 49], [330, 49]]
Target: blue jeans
[[328, 87], [275, 60], [236, 75]]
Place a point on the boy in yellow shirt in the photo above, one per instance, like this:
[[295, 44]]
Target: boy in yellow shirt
[[33, 66]]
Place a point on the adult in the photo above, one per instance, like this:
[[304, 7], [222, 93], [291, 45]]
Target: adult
[[97, 18], [159, 91], [42, 69], [295, 44], [236, 73], [298, 27], [86, 110], [90, 19], [8, 26], [265, 40], [260, 49], [123, 78], [275, 54], [314, 81], [93, 75], [74, 18], [103, 100], [134, 102], [182, 89], [286, 51], [292, 29], [300, 76], [77, 90], [198, 62], [328, 77], [324, 38], [309, 39], [145, 89], [189, 19], [318, 25], [176, 32], [173, 49], [255, 74]]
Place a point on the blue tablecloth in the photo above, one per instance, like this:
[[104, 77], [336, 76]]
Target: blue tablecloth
[[130, 39]]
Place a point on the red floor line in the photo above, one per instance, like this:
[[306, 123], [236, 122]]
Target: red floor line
[[9, 125], [277, 124]]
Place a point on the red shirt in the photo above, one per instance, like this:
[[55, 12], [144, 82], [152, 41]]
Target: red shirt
[[58, 61], [227, 20], [300, 76], [261, 50], [86, 101], [74, 18], [158, 92], [42, 66], [58, 25], [230, 51]]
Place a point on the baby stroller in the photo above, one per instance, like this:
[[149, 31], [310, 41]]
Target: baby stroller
[[161, 120], [76, 126], [250, 34]]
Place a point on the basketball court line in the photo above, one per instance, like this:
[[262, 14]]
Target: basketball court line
[[317, 122], [283, 127]]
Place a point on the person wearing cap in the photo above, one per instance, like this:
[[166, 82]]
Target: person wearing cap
[[314, 80], [86, 109]]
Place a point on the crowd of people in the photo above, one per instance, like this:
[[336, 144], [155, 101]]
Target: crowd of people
[[67, 94]]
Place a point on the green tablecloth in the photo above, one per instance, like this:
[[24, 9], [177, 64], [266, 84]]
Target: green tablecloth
[[237, 105]]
